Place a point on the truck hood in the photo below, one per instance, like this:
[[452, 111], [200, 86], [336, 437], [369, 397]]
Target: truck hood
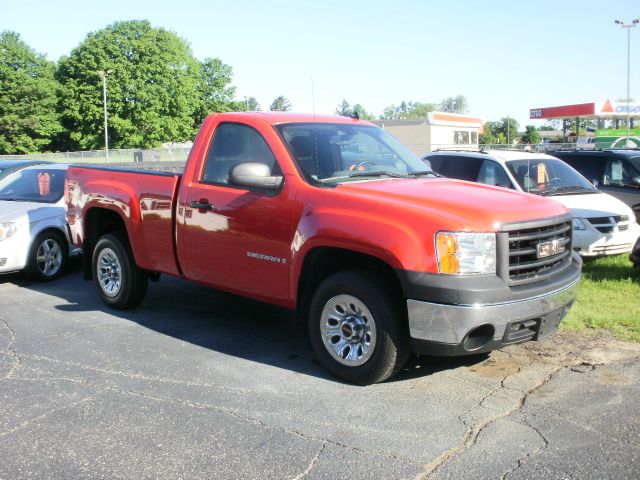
[[594, 205], [474, 206], [30, 211]]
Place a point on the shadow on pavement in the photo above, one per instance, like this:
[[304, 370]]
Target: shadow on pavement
[[218, 321]]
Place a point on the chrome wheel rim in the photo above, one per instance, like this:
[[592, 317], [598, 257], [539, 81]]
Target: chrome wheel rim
[[348, 330], [109, 276], [49, 257]]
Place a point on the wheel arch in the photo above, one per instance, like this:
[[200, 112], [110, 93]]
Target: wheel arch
[[322, 262], [99, 221]]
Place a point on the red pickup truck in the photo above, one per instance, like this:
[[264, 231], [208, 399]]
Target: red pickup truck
[[336, 219]]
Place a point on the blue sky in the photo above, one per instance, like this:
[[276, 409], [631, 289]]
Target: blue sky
[[504, 57]]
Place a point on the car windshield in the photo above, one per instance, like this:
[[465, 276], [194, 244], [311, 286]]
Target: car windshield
[[40, 185], [635, 161], [335, 153], [545, 176]]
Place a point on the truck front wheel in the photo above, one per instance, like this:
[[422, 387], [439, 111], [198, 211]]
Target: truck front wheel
[[121, 284], [357, 329]]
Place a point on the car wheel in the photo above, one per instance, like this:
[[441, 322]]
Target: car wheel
[[357, 328], [48, 256], [120, 282]]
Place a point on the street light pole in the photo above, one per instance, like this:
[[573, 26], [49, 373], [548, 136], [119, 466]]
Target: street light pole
[[104, 75], [628, 27]]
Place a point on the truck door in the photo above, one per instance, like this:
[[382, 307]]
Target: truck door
[[236, 238]]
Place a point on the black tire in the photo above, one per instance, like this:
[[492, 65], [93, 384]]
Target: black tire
[[340, 340], [48, 256], [120, 282]]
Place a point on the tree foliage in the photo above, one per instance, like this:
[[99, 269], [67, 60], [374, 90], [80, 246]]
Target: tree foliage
[[407, 110], [251, 105], [153, 92], [345, 109], [531, 135], [214, 90], [28, 95], [280, 104], [457, 104]]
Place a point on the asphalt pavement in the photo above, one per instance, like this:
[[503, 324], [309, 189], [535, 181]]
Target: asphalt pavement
[[196, 383]]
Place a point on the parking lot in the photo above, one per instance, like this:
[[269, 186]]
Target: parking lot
[[199, 384]]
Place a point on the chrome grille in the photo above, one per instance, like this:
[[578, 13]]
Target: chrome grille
[[609, 224], [538, 249]]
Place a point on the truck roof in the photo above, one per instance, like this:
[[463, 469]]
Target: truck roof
[[275, 118]]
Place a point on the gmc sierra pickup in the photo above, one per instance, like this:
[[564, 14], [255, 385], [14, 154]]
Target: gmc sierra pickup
[[334, 218]]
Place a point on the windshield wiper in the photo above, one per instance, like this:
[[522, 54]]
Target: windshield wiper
[[379, 173], [423, 172], [567, 189]]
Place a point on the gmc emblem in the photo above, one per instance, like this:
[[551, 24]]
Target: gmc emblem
[[552, 247]]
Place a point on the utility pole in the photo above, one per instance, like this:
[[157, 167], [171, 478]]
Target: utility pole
[[104, 75], [633, 23]]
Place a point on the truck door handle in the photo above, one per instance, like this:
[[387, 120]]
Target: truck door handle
[[202, 205]]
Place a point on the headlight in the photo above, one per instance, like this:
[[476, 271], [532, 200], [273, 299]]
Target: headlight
[[7, 229], [466, 253], [578, 224]]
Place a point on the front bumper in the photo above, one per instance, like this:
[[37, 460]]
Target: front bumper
[[462, 329], [593, 243]]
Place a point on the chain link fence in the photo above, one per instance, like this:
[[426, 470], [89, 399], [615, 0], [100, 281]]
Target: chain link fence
[[154, 155]]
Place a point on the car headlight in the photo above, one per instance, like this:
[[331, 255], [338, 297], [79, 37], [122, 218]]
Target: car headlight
[[7, 229], [462, 253], [578, 224]]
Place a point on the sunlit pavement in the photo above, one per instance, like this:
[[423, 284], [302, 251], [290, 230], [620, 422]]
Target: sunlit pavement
[[199, 384]]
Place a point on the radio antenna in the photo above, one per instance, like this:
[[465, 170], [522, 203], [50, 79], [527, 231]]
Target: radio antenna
[[313, 101]]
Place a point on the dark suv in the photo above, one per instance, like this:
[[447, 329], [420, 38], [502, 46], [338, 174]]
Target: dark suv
[[616, 172]]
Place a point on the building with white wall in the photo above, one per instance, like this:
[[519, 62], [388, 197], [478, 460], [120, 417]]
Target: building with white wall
[[438, 130]]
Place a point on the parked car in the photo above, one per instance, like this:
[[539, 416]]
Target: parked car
[[33, 227], [7, 167], [616, 172], [335, 219], [602, 224], [634, 256]]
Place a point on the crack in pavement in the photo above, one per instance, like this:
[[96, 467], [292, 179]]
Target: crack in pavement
[[138, 376], [262, 424], [12, 352], [39, 417], [312, 463], [474, 431], [521, 461]]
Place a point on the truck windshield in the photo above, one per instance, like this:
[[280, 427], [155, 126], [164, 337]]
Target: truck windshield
[[545, 176], [336, 153]]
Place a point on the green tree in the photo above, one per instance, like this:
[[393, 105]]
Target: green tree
[[531, 135], [28, 96], [154, 90], [280, 104], [457, 104], [344, 109], [251, 105], [407, 110], [214, 90], [362, 113]]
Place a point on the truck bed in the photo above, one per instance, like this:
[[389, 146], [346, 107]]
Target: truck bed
[[145, 199]]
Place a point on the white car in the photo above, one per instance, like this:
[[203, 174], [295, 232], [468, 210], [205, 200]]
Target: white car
[[602, 224], [33, 226]]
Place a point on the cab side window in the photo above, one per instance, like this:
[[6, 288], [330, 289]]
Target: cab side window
[[459, 166], [492, 173], [233, 144], [619, 172]]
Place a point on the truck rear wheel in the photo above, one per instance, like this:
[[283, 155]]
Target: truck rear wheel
[[357, 329], [121, 284]]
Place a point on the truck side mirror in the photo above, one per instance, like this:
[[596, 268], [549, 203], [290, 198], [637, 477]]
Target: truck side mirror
[[255, 175], [595, 183]]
